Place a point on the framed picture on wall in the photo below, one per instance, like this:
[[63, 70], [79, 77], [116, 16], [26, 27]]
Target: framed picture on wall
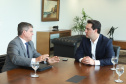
[[50, 10]]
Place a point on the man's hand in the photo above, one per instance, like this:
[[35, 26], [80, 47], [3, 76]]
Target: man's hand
[[42, 58], [88, 60], [54, 59]]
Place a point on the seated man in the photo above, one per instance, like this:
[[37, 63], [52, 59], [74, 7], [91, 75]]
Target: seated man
[[94, 49], [21, 51]]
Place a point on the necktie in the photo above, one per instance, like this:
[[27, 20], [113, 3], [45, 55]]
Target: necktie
[[27, 49]]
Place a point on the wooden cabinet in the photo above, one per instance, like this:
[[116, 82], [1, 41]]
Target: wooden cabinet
[[120, 43], [43, 39]]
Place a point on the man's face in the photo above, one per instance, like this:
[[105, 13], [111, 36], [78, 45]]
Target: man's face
[[89, 31], [28, 34]]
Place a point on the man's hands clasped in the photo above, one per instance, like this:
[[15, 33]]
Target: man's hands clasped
[[88, 60]]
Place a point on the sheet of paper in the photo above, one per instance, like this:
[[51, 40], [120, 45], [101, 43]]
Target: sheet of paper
[[76, 79]]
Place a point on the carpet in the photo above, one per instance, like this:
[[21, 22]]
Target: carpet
[[122, 59]]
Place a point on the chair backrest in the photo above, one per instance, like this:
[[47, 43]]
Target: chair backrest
[[2, 61], [116, 50]]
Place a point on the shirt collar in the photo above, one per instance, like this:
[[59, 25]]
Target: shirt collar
[[95, 40], [22, 40]]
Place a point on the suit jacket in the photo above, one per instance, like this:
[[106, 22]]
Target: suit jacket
[[17, 54], [104, 50]]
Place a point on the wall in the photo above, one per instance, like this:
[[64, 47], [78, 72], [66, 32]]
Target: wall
[[108, 12]]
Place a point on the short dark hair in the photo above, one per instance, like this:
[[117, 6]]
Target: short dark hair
[[95, 25], [23, 26]]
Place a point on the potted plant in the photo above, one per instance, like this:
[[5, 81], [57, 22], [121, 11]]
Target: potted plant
[[80, 23]]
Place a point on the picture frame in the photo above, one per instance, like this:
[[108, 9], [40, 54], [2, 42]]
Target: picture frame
[[50, 10]]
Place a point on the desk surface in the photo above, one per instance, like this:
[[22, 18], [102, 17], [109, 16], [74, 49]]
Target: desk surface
[[61, 72]]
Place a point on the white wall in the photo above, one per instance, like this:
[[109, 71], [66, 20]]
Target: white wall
[[108, 12]]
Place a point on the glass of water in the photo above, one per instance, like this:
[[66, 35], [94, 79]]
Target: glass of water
[[114, 60], [35, 66], [119, 71]]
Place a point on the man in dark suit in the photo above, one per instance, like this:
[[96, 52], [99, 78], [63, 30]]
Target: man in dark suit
[[94, 49], [21, 51]]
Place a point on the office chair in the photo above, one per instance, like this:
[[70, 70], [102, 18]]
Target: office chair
[[116, 50], [2, 61]]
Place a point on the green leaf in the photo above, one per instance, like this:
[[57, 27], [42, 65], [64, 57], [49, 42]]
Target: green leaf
[[80, 22]]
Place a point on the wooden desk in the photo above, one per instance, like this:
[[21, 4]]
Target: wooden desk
[[43, 39], [122, 44], [61, 72]]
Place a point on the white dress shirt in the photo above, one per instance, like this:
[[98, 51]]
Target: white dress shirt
[[93, 51]]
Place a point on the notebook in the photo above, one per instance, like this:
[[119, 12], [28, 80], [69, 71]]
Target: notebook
[[43, 67]]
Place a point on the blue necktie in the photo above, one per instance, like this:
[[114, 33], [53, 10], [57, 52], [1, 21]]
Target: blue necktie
[[27, 49]]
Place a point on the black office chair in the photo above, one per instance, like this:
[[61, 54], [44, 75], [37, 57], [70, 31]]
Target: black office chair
[[2, 61], [116, 50]]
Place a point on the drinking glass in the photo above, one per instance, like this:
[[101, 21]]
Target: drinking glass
[[114, 60], [35, 66], [119, 71]]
